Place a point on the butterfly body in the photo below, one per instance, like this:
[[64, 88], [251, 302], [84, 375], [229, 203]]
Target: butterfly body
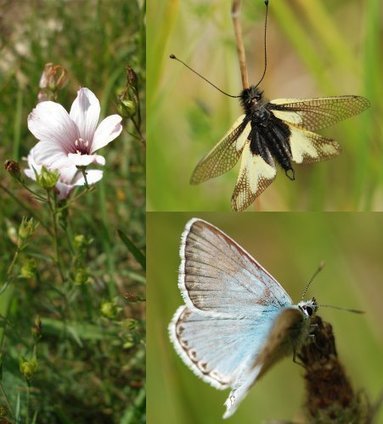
[[237, 320], [279, 131]]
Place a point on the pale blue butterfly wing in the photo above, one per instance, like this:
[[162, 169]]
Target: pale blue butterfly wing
[[217, 348], [217, 275], [232, 303]]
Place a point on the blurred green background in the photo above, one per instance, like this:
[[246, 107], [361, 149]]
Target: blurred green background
[[91, 369], [316, 48], [290, 246]]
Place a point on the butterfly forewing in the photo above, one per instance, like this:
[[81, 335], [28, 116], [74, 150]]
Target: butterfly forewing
[[218, 276], [224, 155], [315, 114]]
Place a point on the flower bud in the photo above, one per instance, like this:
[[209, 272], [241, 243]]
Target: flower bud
[[131, 77], [28, 367], [129, 342], [26, 229], [127, 108], [28, 268], [47, 179], [13, 168], [129, 102], [53, 78], [81, 276], [108, 310]]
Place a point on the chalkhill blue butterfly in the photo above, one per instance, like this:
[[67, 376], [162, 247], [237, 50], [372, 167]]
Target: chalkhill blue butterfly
[[237, 320]]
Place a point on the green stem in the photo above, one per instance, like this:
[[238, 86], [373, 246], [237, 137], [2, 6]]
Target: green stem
[[9, 407], [29, 210], [53, 210], [28, 400], [18, 124]]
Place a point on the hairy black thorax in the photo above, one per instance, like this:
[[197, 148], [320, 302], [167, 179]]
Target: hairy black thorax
[[269, 136]]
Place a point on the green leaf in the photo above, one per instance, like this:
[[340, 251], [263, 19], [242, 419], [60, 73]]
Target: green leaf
[[133, 249]]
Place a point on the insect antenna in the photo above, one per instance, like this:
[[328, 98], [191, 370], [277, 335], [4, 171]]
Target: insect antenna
[[355, 311], [318, 270], [172, 56], [265, 44]]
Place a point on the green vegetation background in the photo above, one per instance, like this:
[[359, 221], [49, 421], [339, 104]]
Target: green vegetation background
[[316, 48], [290, 246], [91, 369]]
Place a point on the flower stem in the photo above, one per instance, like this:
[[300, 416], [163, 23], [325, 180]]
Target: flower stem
[[27, 208], [53, 210]]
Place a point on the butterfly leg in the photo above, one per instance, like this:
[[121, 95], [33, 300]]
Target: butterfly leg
[[295, 360]]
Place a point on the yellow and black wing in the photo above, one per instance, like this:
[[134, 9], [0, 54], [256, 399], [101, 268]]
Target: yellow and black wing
[[315, 114], [225, 153], [307, 115], [255, 175]]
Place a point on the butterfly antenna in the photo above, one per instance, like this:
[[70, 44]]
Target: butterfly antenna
[[172, 56], [318, 270], [355, 311], [265, 43]]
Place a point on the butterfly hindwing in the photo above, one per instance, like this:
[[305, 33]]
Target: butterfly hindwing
[[225, 153], [315, 114], [219, 348]]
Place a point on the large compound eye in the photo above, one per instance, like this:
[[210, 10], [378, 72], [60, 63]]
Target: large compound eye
[[309, 310]]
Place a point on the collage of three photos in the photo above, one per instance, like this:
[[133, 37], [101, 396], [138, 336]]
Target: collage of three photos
[[191, 212]]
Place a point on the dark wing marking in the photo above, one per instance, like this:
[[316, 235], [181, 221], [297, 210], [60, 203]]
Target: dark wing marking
[[225, 153], [308, 147], [255, 175], [315, 114]]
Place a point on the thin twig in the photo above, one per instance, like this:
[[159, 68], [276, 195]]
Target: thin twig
[[27, 208], [235, 15]]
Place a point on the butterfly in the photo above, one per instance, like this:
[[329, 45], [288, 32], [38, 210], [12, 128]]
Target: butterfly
[[237, 320], [279, 131]]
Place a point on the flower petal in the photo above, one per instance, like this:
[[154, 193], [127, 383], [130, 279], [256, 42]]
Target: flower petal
[[50, 122], [93, 176], [85, 160], [63, 190], [85, 112], [68, 174], [108, 130], [34, 167], [50, 155]]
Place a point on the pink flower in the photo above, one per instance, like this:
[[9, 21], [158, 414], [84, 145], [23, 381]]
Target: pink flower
[[69, 178], [68, 140]]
